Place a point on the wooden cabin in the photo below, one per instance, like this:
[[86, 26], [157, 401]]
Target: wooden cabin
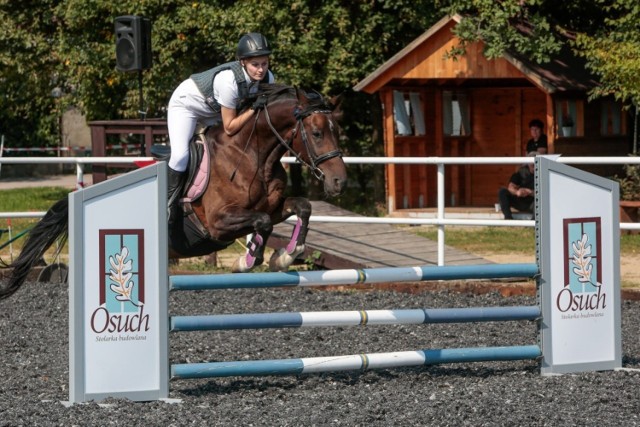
[[475, 107]]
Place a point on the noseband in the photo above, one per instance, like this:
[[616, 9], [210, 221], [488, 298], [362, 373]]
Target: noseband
[[314, 158]]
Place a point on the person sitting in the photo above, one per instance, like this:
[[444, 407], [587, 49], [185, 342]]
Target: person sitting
[[519, 192], [538, 141], [213, 98]]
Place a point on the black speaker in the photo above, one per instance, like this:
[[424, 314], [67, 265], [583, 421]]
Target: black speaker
[[133, 43]]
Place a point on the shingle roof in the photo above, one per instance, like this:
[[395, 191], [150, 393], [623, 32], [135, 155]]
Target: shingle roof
[[564, 72]]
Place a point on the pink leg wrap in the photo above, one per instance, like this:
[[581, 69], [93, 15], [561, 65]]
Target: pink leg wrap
[[294, 237], [254, 245]]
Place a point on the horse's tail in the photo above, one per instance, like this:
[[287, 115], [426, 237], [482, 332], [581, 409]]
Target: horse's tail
[[53, 225]]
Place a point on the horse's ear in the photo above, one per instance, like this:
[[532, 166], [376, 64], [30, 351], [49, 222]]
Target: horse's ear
[[302, 96], [336, 107]]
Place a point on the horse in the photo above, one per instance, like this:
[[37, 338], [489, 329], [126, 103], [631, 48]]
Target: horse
[[245, 191]]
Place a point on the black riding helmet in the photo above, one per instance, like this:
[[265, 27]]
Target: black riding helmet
[[251, 45]]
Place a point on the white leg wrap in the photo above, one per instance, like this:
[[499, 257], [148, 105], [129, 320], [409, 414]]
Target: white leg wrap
[[240, 265], [281, 260]]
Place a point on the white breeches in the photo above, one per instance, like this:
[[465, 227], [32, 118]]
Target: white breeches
[[186, 109]]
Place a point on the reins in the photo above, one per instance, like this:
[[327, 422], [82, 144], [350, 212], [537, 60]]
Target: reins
[[244, 150], [315, 159]]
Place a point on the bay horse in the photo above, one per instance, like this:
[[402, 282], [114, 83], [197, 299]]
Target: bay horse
[[245, 193]]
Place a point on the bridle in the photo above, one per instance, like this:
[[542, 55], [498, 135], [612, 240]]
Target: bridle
[[314, 158]]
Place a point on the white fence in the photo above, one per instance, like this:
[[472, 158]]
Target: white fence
[[441, 221]]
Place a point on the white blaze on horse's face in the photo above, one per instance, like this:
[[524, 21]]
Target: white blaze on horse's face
[[319, 124]]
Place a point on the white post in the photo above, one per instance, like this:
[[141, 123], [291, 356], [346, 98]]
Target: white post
[[79, 177], [440, 213]]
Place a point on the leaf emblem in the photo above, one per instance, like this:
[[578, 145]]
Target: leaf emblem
[[582, 260], [120, 274]]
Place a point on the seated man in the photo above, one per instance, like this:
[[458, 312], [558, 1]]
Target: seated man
[[519, 192], [538, 141]]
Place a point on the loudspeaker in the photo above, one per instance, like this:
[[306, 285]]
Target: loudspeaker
[[133, 43]]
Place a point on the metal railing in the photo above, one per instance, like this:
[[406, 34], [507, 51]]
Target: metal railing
[[439, 221]]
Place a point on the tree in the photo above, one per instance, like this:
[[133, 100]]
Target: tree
[[28, 76], [327, 46], [604, 32], [613, 51]]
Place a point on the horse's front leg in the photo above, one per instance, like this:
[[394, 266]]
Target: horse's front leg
[[284, 257], [254, 255], [233, 221]]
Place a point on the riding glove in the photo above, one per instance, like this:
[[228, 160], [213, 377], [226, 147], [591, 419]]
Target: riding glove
[[259, 103]]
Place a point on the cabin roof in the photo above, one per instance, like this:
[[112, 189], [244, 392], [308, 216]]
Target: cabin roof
[[563, 73]]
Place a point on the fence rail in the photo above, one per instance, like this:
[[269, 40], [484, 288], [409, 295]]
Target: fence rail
[[439, 221]]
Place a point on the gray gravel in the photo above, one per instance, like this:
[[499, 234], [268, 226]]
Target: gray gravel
[[34, 343]]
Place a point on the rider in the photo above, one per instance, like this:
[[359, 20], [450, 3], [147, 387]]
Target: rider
[[213, 97]]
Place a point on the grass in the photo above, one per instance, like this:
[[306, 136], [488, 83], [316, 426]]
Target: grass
[[483, 241], [31, 199], [519, 240], [506, 240], [37, 199]]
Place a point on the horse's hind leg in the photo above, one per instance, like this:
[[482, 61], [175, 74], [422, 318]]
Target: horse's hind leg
[[284, 257]]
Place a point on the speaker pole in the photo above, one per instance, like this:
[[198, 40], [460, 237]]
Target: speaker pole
[[141, 111], [143, 114]]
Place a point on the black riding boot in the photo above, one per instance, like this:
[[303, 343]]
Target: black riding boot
[[174, 190]]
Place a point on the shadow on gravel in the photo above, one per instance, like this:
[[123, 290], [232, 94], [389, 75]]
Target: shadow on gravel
[[633, 361], [217, 387]]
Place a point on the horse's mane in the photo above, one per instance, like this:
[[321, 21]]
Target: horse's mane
[[278, 91]]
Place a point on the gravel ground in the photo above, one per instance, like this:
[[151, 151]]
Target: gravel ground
[[34, 377]]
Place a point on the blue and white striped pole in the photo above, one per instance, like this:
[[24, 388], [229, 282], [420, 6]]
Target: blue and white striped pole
[[351, 276], [352, 362], [353, 318]]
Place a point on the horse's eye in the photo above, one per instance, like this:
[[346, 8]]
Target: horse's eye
[[316, 133]]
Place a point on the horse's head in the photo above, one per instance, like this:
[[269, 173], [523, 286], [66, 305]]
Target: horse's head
[[305, 125], [316, 141]]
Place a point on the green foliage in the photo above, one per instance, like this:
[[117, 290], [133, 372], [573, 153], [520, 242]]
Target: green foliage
[[629, 182], [613, 51], [310, 261], [497, 24], [27, 72], [67, 47], [604, 32], [70, 45]]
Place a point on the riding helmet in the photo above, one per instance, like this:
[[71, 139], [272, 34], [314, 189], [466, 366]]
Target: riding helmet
[[251, 45]]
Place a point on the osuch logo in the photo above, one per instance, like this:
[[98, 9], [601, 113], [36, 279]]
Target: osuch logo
[[121, 294], [583, 288]]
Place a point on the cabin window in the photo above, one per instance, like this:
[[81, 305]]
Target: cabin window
[[569, 118], [407, 113], [455, 114], [611, 118]]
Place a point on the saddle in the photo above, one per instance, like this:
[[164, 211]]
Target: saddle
[[187, 235]]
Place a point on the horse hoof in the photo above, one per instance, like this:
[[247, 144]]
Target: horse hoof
[[241, 265], [281, 259]]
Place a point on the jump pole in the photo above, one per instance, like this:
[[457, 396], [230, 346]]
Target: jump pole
[[420, 316], [357, 362], [348, 277], [577, 271]]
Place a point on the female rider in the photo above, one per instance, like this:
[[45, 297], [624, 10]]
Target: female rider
[[211, 98]]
